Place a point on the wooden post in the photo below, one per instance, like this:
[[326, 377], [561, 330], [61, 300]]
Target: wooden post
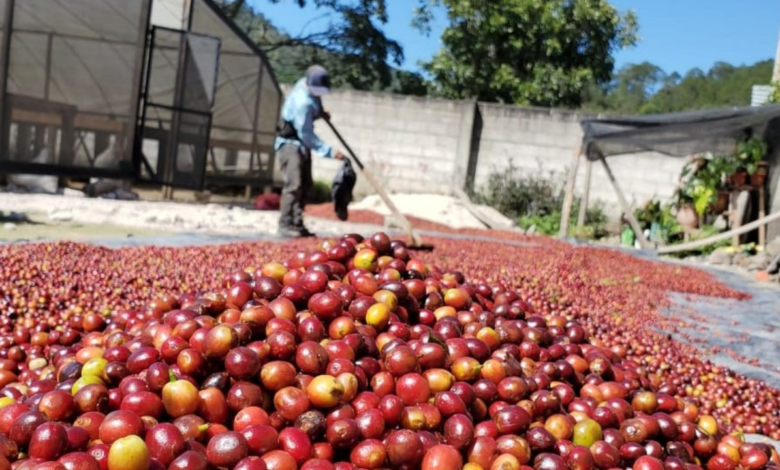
[[625, 207], [51, 140], [39, 140], [568, 199], [5, 55], [761, 215], [585, 195], [736, 217], [47, 79], [776, 69], [23, 141]]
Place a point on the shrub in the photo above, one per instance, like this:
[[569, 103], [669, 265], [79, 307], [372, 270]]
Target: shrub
[[319, 193], [536, 199], [516, 195]]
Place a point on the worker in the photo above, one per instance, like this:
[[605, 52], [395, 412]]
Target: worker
[[294, 144]]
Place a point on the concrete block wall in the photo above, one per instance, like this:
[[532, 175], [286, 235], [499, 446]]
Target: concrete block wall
[[424, 145], [545, 141], [535, 140], [642, 177], [411, 144]]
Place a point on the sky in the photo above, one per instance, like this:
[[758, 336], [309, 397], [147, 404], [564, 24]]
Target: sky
[[676, 35]]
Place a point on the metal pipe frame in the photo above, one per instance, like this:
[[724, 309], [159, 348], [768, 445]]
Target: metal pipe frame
[[5, 114]]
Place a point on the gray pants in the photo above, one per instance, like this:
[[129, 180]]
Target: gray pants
[[295, 164]]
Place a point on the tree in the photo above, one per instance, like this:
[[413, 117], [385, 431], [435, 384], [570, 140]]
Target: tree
[[636, 84], [646, 89], [534, 52], [352, 44]]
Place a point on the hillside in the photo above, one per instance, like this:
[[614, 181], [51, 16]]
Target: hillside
[[647, 89]]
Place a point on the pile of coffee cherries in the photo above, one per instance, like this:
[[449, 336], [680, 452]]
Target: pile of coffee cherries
[[355, 354]]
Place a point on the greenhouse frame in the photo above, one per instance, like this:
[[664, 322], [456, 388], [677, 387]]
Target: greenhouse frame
[[169, 92]]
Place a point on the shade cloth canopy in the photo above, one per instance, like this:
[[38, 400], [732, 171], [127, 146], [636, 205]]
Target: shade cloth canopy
[[674, 134]]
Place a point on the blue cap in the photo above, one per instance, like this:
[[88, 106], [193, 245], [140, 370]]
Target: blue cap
[[318, 80]]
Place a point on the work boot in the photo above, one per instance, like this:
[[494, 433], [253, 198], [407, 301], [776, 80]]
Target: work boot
[[295, 232], [306, 233], [289, 232]]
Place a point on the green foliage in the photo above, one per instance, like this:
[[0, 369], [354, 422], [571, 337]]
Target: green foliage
[[774, 97], [320, 193], [646, 89], [658, 218], [532, 52], [535, 199], [353, 45], [700, 188], [751, 152], [629, 91], [550, 223], [706, 231], [516, 195], [649, 213], [546, 224]]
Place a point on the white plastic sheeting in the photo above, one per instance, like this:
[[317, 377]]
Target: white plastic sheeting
[[242, 73], [248, 98], [87, 49], [77, 64]]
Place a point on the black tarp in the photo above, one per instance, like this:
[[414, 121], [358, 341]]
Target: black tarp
[[675, 134]]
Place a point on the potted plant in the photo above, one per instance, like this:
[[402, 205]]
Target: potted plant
[[687, 216], [648, 214], [703, 184], [758, 177], [668, 224], [717, 168], [750, 157], [648, 217], [738, 178]]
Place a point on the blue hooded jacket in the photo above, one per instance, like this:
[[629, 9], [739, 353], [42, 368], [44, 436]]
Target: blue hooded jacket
[[302, 109]]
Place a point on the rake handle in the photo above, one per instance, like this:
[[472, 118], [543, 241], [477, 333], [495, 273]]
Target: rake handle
[[377, 187]]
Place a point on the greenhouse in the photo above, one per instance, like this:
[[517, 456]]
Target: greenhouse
[[164, 91]]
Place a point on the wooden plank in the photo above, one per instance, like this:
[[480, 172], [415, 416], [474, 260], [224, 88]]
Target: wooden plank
[[585, 195], [235, 145], [625, 207], [464, 198], [721, 236], [32, 117], [81, 121], [95, 123], [568, 199], [736, 218], [761, 215]]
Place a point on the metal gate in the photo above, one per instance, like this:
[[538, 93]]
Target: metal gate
[[178, 97]]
